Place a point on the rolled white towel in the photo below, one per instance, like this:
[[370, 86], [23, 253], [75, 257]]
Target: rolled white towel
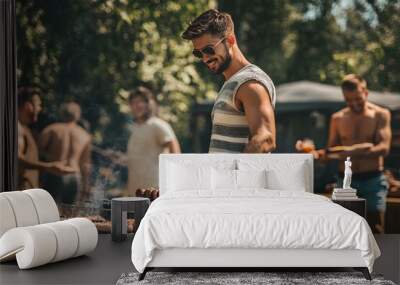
[[67, 240], [7, 218], [23, 208], [45, 205], [87, 235], [33, 246], [40, 244]]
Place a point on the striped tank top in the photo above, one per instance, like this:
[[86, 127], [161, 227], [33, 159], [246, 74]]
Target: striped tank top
[[230, 130]]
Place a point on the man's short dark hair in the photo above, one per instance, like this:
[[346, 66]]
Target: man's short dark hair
[[25, 94], [142, 92], [351, 82], [70, 112], [210, 22]]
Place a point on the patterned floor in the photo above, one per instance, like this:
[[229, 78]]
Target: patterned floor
[[242, 278]]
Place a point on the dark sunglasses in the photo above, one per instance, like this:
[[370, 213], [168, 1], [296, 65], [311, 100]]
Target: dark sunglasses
[[208, 50]]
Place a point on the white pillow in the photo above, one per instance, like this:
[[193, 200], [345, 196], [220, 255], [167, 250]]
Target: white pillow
[[251, 178], [281, 174], [183, 177], [294, 180], [224, 179]]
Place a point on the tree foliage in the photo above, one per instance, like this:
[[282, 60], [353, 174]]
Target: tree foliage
[[95, 51], [321, 40]]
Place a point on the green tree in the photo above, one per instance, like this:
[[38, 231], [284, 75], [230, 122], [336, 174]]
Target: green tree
[[264, 32], [321, 40], [94, 51]]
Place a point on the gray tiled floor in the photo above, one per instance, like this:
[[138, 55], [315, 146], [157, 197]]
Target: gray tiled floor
[[389, 262], [102, 266], [110, 260]]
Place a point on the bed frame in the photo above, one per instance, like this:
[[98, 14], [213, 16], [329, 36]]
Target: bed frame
[[243, 259], [247, 258]]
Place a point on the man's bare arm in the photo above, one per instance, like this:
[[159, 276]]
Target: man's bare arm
[[21, 143], [333, 141], [333, 137], [384, 136], [55, 167], [85, 165], [260, 116], [173, 146], [23, 162]]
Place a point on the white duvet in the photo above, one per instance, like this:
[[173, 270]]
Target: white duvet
[[252, 218]]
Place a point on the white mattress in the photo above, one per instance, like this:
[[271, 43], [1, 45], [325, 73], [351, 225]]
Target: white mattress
[[253, 218]]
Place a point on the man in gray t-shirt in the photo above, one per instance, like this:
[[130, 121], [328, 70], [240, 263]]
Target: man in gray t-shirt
[[150, 137], [243, 117]]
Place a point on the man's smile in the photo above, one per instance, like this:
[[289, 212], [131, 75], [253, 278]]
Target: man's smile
[[211, 62]]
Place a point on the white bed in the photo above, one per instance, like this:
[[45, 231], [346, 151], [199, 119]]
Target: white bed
[[212, 222]]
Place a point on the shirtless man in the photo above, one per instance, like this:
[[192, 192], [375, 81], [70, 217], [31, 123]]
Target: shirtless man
[[67, 141], [361, 131], [29, 107]]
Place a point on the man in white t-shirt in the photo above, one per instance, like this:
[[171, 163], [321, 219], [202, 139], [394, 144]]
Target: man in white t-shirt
[[150, 137]]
